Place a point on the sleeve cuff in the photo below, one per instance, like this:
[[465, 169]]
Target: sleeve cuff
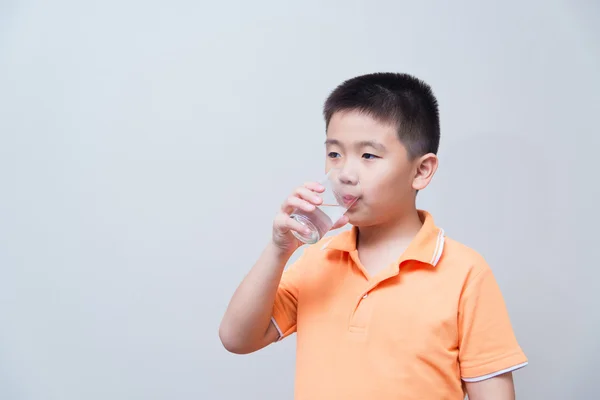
[[278, 328], [282, 322], [493, 374], [491, 369]]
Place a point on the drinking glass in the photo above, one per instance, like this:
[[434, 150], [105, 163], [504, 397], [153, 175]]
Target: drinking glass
[[337, 198]]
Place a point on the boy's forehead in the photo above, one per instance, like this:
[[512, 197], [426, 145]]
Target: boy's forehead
[[351, 126]]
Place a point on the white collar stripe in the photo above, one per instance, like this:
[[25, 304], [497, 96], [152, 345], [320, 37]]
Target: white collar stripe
[[439, 248]]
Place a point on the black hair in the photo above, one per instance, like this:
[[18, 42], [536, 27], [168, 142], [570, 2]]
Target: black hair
[[394, 98]]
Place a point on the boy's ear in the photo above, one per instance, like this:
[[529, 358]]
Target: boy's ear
[[425, 168]]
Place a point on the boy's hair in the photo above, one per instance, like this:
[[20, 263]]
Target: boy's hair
[[394, 98]]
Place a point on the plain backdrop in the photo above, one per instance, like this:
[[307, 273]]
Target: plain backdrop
[[146, 146]]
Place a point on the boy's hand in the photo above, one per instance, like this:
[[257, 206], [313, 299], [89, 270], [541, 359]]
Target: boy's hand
[[304, 198]]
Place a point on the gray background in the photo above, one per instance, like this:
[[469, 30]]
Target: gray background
[[145, 148]]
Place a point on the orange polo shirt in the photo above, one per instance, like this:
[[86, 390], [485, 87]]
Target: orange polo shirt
[[414, 331]]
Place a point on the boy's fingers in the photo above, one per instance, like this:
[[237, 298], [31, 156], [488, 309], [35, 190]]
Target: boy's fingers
[[314, 186], [294, 225], [284, 224], [294, 202], [309, 195]]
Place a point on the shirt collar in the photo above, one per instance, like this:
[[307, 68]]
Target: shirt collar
[[426, 247]]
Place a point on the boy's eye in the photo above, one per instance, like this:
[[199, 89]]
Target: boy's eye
[[333, 154], [369, 156]]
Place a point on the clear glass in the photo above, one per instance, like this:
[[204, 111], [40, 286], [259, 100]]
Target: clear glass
[[337, 198]]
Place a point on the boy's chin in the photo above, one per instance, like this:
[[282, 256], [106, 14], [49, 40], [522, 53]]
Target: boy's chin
[[357, 221]]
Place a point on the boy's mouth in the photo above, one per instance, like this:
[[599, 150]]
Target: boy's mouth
[[349, 199]]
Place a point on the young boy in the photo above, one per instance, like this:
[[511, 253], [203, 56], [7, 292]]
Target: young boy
[[391, 309]]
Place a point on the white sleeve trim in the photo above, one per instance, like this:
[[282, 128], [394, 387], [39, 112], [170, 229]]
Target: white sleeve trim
[[493, 374], [277, 327]]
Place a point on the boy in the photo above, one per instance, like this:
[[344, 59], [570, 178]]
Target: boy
[[392, 309]]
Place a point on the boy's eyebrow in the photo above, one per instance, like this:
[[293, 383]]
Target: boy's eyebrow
[[371, 143], [362, 143], [333, 142]]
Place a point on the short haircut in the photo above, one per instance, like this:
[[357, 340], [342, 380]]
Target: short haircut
[[398, 99]]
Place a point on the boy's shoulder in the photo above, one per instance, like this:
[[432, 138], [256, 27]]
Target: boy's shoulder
[[458, 258]]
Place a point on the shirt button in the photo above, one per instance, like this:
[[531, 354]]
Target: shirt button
[[365, 295]]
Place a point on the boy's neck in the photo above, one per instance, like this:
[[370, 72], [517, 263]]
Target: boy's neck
[[397, 232]]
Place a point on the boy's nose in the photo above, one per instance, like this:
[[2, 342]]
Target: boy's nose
[[348, 178]]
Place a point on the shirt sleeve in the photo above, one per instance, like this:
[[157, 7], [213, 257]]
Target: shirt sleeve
[[487, 344], [286, 300]]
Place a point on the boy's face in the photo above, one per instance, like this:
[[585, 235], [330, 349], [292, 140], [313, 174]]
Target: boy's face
[[371, 153]]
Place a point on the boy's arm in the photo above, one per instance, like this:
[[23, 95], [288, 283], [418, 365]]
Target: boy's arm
[[246, 326], [500, 387]]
